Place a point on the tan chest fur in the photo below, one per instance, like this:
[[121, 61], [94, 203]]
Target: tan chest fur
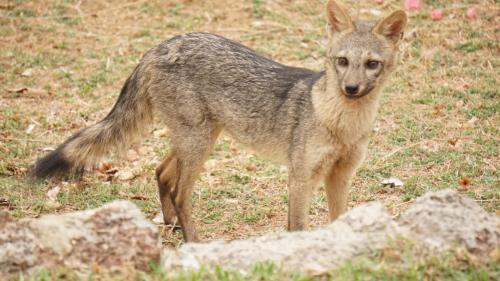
[[343, 125]]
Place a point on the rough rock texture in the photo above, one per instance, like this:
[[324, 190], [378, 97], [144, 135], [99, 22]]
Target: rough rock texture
[[443, 219], [436, 221], [112, 237], [116, 236], [365, 228]]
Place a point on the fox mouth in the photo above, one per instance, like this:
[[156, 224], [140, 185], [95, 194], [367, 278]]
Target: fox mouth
[[355, 97]]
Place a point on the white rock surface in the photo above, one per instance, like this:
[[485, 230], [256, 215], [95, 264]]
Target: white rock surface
[[443, 219], [365, 228], [437, 221], [112, 237], [117, 236]]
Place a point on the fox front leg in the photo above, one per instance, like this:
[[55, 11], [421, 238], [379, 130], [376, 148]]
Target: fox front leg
[[299, 202]]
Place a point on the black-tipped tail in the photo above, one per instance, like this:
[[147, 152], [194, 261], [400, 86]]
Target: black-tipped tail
[[129, 117], [52, 165]]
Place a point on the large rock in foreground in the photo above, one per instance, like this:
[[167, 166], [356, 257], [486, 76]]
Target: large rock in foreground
[[444, 219], [363, 229], [113, 237], [116, 237], [437, 221]]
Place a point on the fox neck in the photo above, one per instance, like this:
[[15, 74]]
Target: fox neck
[[347, 120]]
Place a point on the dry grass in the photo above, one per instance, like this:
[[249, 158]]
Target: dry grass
[[437, 128]]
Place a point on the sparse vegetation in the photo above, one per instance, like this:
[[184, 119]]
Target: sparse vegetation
[[63, 63], [396, 262]]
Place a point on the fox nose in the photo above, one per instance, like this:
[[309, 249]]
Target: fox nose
[[351, 90]]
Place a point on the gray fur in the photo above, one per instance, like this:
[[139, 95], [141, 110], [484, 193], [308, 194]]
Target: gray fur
[[206, 78], [204, 83]]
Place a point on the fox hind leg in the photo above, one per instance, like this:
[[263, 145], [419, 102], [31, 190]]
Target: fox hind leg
[[178, 173], [166, 176]]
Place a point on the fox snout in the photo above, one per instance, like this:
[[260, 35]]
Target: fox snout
[[351, 89], [356, 89]]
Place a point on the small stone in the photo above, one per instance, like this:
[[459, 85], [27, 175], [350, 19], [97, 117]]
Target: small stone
[[30, 128], [132, 155], [158, 219], [27, 72], [392, 182], [125, 174], [53, 192]]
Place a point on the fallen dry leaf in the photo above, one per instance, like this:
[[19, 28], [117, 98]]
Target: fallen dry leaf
[[111, 171], [453, 142], [96, 268], [127, 174], [103, 167], [138, 197], [28, 92], [4, 203], [438, 110], [16, 170], [251, 168], [465, 182]]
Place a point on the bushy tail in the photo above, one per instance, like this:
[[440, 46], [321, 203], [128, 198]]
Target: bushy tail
[[124, 124]]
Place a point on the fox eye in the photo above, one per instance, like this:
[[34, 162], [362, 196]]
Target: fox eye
[[372, 64], [343, 62]]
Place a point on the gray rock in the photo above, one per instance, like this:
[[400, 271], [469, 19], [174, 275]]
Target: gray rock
[[437, 221], [444, 219], [116, 237], [113, 237], [363, 229]]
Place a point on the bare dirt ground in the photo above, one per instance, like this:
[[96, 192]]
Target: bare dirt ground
[[63, 63]]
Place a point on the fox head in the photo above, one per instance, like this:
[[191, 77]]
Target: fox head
[[361, 54]]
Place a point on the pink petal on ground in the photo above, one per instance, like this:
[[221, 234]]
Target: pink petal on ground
[[412, 5], [471, 13], [436, 14]]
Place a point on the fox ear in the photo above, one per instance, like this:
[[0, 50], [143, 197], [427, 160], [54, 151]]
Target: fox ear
[[338, 19], [392, 27]]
